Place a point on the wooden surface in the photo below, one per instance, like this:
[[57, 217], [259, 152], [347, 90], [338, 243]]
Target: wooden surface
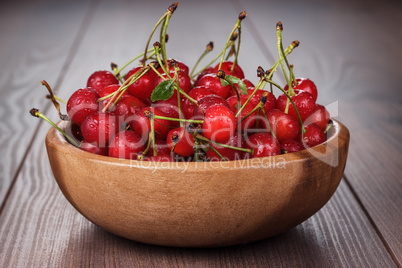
[[351, 49]]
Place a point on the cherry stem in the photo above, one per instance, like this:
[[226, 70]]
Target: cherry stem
[[209, 48], [54, 101], [178, 119], [237, 26], [144, 59], [163, 41], [209, 64], [238, 48], [57, 98], [36, 113], [260, 105], [148, 144], [263, 80], [329, 126], [269, 124], [202, 138], [213, 149], [153, 135]]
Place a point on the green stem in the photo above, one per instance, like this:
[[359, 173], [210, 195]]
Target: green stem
[[198, 136], [178, 119], [269, 125], [117, 72], [213, 149], [150, 37], [228, 42], [163, 41], [207, 50]]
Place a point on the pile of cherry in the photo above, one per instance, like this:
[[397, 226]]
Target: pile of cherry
[[218, 115]]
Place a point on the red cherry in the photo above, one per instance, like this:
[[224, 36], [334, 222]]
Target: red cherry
[[263, 144], [128, 106], [291, 146], [182, 141], [227, 66], [248, 84], [283, 125], [196, 93], [99, 127], [109, 90], [304, 102], [170, 109], [206, 102], [304, 84], [219, 123], [236, 140], [100, 79], [214, 83], [91, 148], [313, 136], [208, 70], [141, 124], [269, 104], [320, 117], [183, 67], [249, 122], [160, 147], [82, 103], [126, 144], [143, 87]]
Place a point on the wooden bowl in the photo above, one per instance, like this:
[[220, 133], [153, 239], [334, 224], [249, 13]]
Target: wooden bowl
[[206, 204]]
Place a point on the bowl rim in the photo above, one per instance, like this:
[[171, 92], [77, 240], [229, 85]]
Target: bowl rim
[[56, 140]]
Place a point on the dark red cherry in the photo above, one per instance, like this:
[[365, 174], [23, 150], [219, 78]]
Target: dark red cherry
[[160, 147], [196, 93], [206, 102], [248, 84], [170, 109], [109, 90], [91, 148], [100, 79], [126, 144], [247, 123], [291, 146], [270, 102], [283, 125], [128, 106], [305, 84], [263, 144], [141, 123], [208, 70], [227, 66], [99, 127], [143, 87], [183, 67], [236, 140], [320, 117], [182, 141], [214, 83], [82, 103], [219, 123], [304, 102], [313, 136]]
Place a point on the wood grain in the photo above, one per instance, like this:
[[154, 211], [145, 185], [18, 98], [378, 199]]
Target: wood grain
[[28, 55], [351, 50]]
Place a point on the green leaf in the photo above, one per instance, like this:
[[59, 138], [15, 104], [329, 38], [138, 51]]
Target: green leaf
[[235, 80], [163, 91], [224, 82]]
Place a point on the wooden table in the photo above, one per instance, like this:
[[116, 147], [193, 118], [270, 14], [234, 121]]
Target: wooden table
[[351, 49]]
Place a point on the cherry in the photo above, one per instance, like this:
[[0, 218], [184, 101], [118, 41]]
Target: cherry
[[141, 123], [143, 87], [160, 147], [196, 93], [208, 70], [126, 144], [304, 84], [181, 140], [227, 66], [320, 117], [214, 83], [313, 136], [183, 67], [128, 106], [304, 102], [236, 140], [82, 103], [249, 122], [170, 109], [248, 84], [100, 79], [206, 102], [263, 144], [219, 123], [99, 127], [109, 90], [270, 102], [283, 125], [291, 146], [91, 148]]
